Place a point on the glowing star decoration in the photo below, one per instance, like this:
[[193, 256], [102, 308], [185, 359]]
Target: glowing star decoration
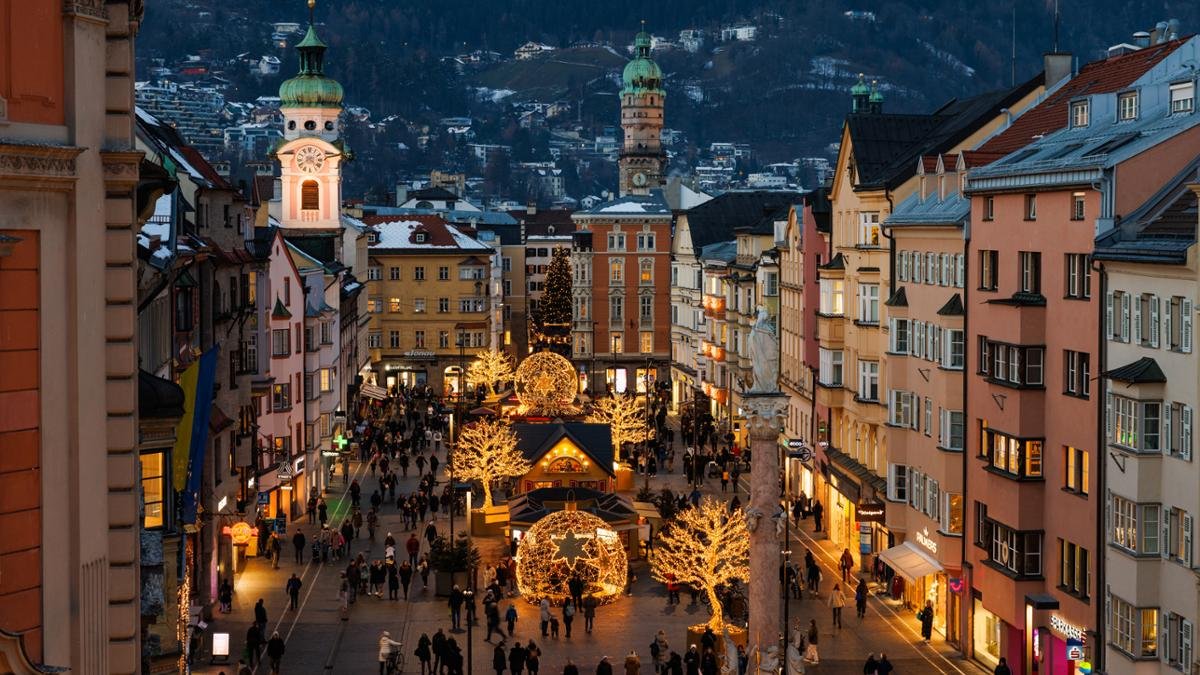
[[565, 544], [570, 547], [547, 383]]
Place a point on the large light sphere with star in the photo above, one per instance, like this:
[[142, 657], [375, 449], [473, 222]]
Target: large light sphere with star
[[546, 382], [566, 544]]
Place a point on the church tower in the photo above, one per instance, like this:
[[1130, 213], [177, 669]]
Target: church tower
[[642, 159], [312, 151]]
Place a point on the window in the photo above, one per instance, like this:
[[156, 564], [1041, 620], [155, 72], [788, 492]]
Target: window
[[951, 428], [902, 409], [1117, 316], [646, 339], [1079, 275], [1177, 429], [616, 241], [1073, 575], [1077, 378], [419, 339], [1134, 527], [931, 268], [988, 270], [646, 308], [1183, 97], [1132, 630], [616, 309], [868, 380], [443, 305], [154, 489], [310, 196], [506, 264], [394, 339], [868, 303], [830, 371], [645, 241], [281, 396], [1127, 106], [918, 267], [281, 342], [903, 261], [1030, 207], [443, 339], [616, 271], [394, 273], [444, 273], [374, 339], [1079, 113], [771, 284], [989, 208], [1146, 320], [1177, 535], [1015, 552], [897, 483], [646, 272], [374, 273], [832, 293], [1019, 458], [617, 342], [326, 379], [952, 517], [868, 228], [1133, 424], [1031, 271], [1177, 324], [1076, 476], [419, 273], [375, 305], [1010, 365], [898, 336], [956, 351], [1177, 641], [1077, 205], [928, 416], [419, 305], [393, 305]]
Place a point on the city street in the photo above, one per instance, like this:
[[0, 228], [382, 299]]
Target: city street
[[318, 641]]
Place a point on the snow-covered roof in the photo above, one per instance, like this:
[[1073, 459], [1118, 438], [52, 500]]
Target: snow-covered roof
[[401, 235]]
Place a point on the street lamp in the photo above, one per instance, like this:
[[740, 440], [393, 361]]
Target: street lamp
[[469, 596]]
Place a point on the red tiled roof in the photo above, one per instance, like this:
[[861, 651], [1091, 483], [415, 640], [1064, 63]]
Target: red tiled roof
[[973, 158], [264, 189], [929, 163], [428, 219], [1098, 77], [198, 162]]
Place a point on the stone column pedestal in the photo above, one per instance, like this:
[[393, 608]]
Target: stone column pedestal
[[765, 415]]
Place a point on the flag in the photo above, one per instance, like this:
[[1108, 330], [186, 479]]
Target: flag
[[191, 437]]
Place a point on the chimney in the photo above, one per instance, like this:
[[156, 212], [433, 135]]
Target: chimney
[[1172, 29], [1056, 67], [401, 193], [531, 208], [1141, 39], [1159, 34]]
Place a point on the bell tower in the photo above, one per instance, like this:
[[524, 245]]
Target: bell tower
[[642, 160], [312, 151]]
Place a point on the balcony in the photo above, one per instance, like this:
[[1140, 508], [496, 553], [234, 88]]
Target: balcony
[[714, 306], [831, 330]]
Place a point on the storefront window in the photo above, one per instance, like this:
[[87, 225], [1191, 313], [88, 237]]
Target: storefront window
[[154, 489], [987, 635]]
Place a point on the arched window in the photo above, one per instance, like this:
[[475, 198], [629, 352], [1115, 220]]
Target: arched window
[[310, 195]]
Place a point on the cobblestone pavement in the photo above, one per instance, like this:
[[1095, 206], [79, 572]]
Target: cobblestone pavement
[[319, 641]]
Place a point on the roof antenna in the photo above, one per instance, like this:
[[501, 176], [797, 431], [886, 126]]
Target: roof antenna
[[311, 6], [1013, 75], [1055, 26]]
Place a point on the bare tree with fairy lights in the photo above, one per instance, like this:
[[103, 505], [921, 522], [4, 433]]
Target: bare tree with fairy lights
[[489, 368], [705, 546], [627, 418], [486, 452]]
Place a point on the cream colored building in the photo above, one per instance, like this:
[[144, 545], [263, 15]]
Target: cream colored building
[[1149, 270]]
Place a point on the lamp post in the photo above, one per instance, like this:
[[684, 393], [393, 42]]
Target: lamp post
[[469, 595], [646, 437], [613, 339]]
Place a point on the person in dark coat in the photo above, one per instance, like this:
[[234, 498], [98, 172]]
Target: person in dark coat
[[708, 663], [817, 512], [298, 542], [253, 644], [499, 660], [570, 668], [516, 659], [691, 661], [884, 667], [424, 654], [675, 664], [260, 614], [604, 667], [926, 617], [275, 650], [1002, 667], [439, 649]]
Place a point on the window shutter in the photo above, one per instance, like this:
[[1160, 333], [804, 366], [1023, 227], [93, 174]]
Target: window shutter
[[915, 422], [1168, 441], [1108, 506], [1164, 634], [1125, 302], [1187, 540], [1108, 317], [1185, 332], [1137, 320], [892, 334], [1164, 544], [892, 409], [1185, 643], [1108, 413], [1185, 442], [1154, 321], [891, 483], [1166, 324], [960, 270]]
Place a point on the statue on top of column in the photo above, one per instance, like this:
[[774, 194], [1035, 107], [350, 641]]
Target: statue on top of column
[[764, 354]]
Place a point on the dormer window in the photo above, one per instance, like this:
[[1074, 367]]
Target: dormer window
[[1080, 113], [1183, 97], [420, 237], [1127, 106]]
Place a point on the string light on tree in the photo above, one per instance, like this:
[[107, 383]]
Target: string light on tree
[[705, 546], [625, 415], [489, 368], [570, 543], [487, 452]]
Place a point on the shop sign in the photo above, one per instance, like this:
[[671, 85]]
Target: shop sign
[[956, 584], [925, 540], [241, 533], [1060, 626], [420, 354], [264, 498], [281, 524], [1074, 649], [285, 471], [870, 512]]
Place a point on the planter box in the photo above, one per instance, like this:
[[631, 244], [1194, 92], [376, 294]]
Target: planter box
[[490, 522]]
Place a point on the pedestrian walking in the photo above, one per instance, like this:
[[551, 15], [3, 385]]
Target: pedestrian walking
[[570, 668], [386, 646], [884, 667], [299, 542], [293, 591], [413, 546], [708, 662], [253, 644], [260, 614], [424, 654], [456, 603], [544, 616], [817, 512], [439, 648], [846, 563], [871, 666], [533, 658], [225, 596], [633, 664], [925, 616], [837, 601], [510, 618], [275, 650], [860, 598], [1002, 667], [604, 667], [589, 612], [499, 659], [516, 659], [810, 652], [568, 613], [405, 573]]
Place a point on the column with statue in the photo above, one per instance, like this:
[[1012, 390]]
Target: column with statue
[[765, 408]]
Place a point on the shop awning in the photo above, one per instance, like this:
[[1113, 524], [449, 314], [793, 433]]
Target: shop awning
[[910, 562]]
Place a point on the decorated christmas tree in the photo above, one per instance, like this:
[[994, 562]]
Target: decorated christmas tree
[[552, 320]]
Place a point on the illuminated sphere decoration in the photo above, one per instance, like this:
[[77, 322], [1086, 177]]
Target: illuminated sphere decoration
[[546, 382], [568, 543]]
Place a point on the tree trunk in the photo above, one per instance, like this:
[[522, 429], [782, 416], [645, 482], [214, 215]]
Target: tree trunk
[[718, 619], [487, 495]]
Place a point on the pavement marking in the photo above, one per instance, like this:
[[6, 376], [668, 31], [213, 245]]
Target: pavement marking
[[823, 554]]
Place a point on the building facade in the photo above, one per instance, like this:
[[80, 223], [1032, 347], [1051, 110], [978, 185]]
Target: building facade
[[642, 160], [620, 267]]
